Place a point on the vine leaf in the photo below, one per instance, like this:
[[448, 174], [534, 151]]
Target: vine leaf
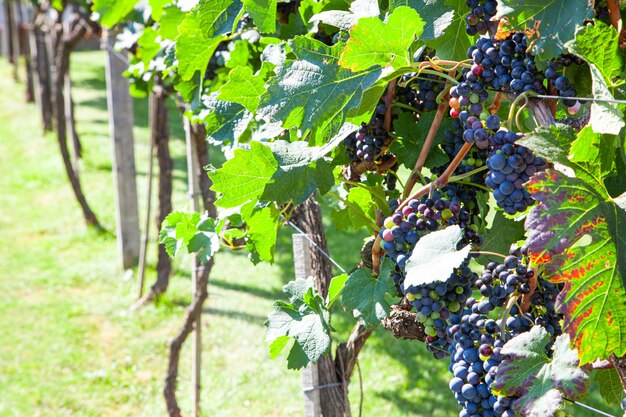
[[225, 121], [244, 177], [278, 171], [303, 319], [359, 212], [454, 42], [374, 42], [555, 143], [437, 15], [593, 269], [557, 21], [608, 58], [261, 230], [171, 17], [189, 231], [435, 257], [595, 152], [243, 87], [313, 93], [498, 232], [263, 13], [411, 136], [201, 32], [445, 26], [300, 172], [113, 11], [337, 284], [605, 117], [609, 385], [365, 294], [542, 383]]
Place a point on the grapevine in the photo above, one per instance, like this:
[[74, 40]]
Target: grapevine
[[488, 223]]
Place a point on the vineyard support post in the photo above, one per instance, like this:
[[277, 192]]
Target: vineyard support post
[[194, 193], [124, 178], [310, 375]]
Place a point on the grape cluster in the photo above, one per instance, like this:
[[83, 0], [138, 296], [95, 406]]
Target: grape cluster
[[561, 83], [453, 137], [474, 358], [403, 229], [477, 340], [366, 145], [434, 304], [509, 168], [498, 281], [420, 93], [480, 15]]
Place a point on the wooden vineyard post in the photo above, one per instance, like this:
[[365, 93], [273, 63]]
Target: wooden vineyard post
[[196, 340], [310, 375], [121, 128]]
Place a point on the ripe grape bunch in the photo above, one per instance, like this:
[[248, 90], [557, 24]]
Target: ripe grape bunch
[[434, 302], [478, 340], [369, 142], [403, 228], [480, 16]]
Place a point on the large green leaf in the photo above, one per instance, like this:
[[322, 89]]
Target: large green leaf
[[609, 385], [244, 177], [113, 12], [300, 172], [358, 211], [278, 171], [557, 21], [190, 231], [225, 121], [595, 152], [365, 294], [454, 42], [201, 32], [437, 15], [303, 319], [263, 13], [435, 257], [261, 229], [541, 382], [608, 59], [313, 93], [243, 87], [593, 270], [376, 43], [605, 117]]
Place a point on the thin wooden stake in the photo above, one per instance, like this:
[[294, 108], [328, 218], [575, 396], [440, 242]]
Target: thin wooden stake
[[310, 375], [146, 233], [194, 193], [121, 129]]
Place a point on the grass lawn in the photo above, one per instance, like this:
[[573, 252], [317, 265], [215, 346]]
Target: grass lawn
[[69, 345]]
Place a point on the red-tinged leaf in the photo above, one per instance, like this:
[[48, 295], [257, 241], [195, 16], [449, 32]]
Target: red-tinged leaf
[[579, 234], [541, 382]]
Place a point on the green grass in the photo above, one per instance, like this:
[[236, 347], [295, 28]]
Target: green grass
[[70, 346]]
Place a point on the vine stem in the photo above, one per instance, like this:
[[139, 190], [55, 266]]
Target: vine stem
[[453, 80], [497, 101], [615, 18], [405, 106], [428, 142], [442, 180], [456, 178], [485, 252]]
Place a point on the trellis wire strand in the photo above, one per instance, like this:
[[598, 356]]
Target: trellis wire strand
[[326, 255]]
